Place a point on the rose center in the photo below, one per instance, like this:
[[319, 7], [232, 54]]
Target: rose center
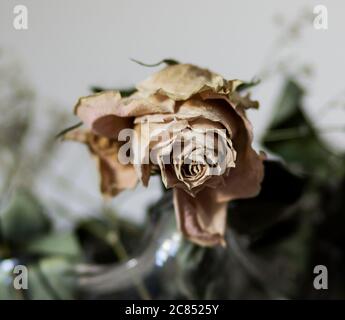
[[191, 170]]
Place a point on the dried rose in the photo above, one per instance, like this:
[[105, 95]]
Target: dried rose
[[190, 125]]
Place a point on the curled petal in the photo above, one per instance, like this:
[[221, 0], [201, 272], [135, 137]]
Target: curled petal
[[235, 98], [139, 104], [115, 177], [150, 134], [98, 113], [106, 113], [243, 181], [181, 81], [162, 138], [201, 219], [195, 110], [244, 101]]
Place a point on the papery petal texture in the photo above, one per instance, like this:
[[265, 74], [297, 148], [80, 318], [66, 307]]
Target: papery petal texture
[[189, 125]]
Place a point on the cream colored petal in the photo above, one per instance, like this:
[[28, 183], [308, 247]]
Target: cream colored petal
[[201, 219], [138, 104], [114, 176], [208, 109], [106, 113], [150, 134], [194, 110], [140, 148], [181, 81], [193, 133], [205, 124]]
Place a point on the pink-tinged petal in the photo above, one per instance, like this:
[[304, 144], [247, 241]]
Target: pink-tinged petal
[[106, 113], [201, 219], [114, 176], [243, 181], [98, 113]]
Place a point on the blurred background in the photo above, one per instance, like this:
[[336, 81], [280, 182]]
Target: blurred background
[[71, 46]]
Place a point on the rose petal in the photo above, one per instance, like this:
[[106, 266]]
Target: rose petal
[[115, 177], [106, 113], [195, 109], [201, 219], [149, 135], [181, 81], [139, 104], [243, 181], [238, 107], [244, 101]]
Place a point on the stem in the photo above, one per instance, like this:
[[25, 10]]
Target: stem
[[7, 185], [64, 131], [122, 254], [113, 239]]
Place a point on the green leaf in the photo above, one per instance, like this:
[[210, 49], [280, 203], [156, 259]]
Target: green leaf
[[273, 202], [289, 105], [62, 243], [286, 247], [1, 234], [24, 218], [52, 278], [102, 240], [292, 136], [38, 288], [248, 85], [125, 92], [64, 131]]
